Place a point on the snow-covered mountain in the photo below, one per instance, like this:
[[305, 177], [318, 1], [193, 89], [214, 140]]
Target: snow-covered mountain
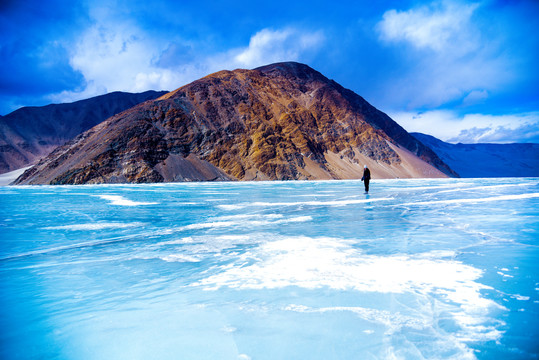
[[486, 160]]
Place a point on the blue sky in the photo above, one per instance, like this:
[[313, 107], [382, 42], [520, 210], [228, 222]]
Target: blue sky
[[459, 70]]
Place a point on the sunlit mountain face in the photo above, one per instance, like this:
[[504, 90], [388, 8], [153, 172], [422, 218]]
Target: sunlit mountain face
[[284, 121]]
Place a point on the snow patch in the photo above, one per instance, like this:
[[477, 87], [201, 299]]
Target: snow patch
[[122, 201], [180, 258], [314, 263]]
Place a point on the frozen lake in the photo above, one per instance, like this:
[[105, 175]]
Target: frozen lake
[[418, 269]]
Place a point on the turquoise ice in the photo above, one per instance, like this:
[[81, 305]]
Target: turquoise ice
[[418, 269]]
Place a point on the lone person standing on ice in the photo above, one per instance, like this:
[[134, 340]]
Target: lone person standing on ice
[[366, 178]]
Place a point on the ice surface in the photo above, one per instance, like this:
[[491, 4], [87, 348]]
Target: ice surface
[[418, 269], [94, 226]]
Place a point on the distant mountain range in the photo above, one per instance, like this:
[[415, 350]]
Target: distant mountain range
[[486, 160], [283, 121], [29, 133]]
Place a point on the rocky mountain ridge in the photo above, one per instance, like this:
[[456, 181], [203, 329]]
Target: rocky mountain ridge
[[279, 122], [29, 133]]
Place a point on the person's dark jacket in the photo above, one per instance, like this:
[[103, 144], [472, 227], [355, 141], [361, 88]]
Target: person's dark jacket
[[366, 175]]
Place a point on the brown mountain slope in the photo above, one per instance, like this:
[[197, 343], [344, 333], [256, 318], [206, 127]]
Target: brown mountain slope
[[281, 121], [29, 133]]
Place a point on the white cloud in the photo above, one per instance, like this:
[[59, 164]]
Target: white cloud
[[269, 46], [437, 27], [472, 128], [121, 57], [448, 55], [117, 57]]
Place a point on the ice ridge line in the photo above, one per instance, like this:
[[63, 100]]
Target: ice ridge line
[[463, 201]]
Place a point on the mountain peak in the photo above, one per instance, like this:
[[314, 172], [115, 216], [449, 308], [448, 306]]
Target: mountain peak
[[283, 121], [290, 68]]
